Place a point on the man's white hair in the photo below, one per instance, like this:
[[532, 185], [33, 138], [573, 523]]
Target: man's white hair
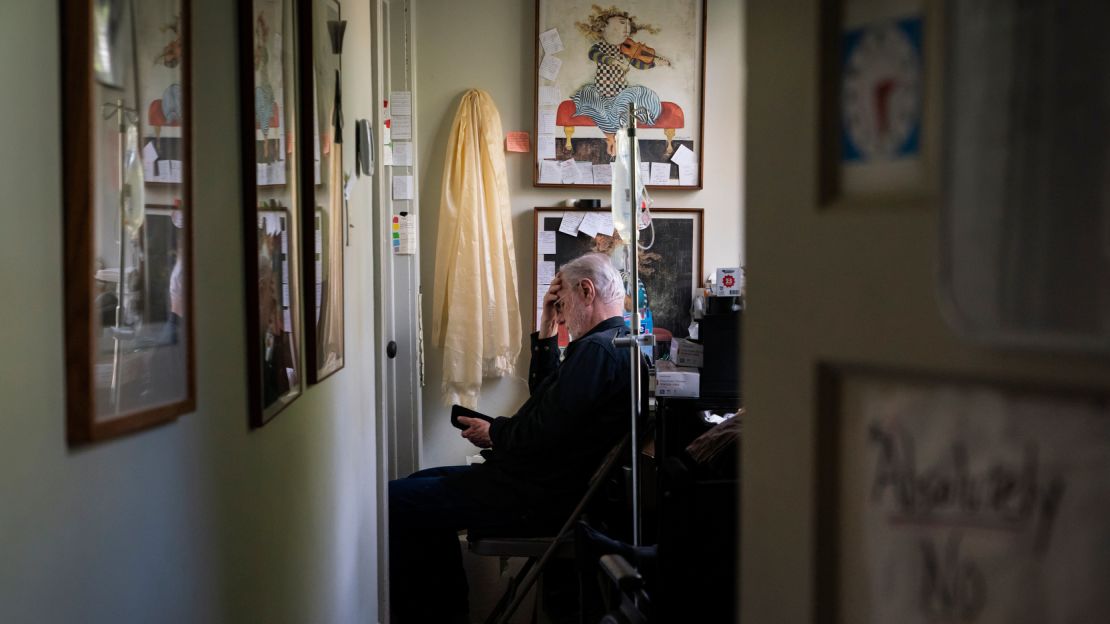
[[598, 268]]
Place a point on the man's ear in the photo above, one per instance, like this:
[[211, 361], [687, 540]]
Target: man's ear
[[589, 293]]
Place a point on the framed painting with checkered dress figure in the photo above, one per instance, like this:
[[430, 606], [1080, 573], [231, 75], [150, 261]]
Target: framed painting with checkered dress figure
[[592, 63]]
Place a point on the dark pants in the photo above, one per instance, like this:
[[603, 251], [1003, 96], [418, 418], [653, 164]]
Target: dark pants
[[427, 581]]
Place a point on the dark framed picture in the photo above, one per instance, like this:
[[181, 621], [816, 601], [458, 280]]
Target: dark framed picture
[[271, 204], [127, 215], [323, 220], [591, 63], [670, 268], [950, 499], [880, 112]]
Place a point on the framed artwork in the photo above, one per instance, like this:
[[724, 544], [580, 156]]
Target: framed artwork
[[959, 500], [592, 62], [322, 226], [880, 83], [127, 215], [670, 269], [271, 204]]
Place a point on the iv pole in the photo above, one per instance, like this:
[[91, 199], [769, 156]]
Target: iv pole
[[636, 339]]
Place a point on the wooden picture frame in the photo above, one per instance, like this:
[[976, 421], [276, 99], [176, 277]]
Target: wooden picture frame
[[673, 262], [584, 74], [947, 498], [322, 226], [130, 359], [272, 204], [880, 113]]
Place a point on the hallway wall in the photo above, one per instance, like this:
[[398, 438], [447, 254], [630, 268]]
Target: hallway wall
[[487, 44], [200, 520]]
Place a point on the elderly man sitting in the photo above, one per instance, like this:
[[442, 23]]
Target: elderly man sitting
[[541, 459]]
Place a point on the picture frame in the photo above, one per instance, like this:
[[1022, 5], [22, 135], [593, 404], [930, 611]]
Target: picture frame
[[585, 75], [670, 270], [955, 498], [323, 226], [272, 204], [128, 273], [1021, 255], [880, 93]]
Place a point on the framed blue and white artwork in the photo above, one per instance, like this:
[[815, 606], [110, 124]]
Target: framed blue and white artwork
[[879, 99]]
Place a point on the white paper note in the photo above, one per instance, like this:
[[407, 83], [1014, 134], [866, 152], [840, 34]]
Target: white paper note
[[407, 235], [568, 171], [551, 41], [549, 96], [585, 173], [570, 223], [277, 173], [645, 172], [603, 174], [688, 175], [684, 156], [660, 173], [545, 146], [589, 225], [550, 67], [400, 103], [604, 222], [547, 121], [402, 187], [387, 154], [262, 174], [402, 127], [550, 173], [545, 271], [150, 154], [175, 171], [402, 154], [546, 242]]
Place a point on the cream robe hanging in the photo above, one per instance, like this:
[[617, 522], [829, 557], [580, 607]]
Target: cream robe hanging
[[475, 314]]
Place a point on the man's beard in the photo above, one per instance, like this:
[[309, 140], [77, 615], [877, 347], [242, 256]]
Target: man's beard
[[576, 323]]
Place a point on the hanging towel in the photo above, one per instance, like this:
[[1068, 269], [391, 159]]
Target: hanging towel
[[475, 312]]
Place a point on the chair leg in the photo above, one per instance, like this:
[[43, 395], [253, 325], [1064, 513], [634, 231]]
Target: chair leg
[[510, 591], [669, 133], [569, 132]]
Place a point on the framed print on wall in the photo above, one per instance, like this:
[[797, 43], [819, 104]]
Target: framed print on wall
[[271, 204], [947, 499], [591, 62], [670, 269], [322, 226], [128, 215], [880, 104]]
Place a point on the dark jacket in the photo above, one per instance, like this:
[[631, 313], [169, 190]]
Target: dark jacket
[[542, 458]]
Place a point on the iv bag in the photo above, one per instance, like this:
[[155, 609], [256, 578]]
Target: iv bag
[[133, 200], [628, 160]]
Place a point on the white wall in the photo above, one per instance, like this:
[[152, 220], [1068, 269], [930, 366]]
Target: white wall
[[200, 520], [487, 44]]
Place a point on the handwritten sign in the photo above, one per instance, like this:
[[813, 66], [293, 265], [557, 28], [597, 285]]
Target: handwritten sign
[[971, 503]]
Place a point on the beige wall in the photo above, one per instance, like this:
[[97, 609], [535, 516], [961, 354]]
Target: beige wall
[[840, 286], [487, 44], [200, 520]]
